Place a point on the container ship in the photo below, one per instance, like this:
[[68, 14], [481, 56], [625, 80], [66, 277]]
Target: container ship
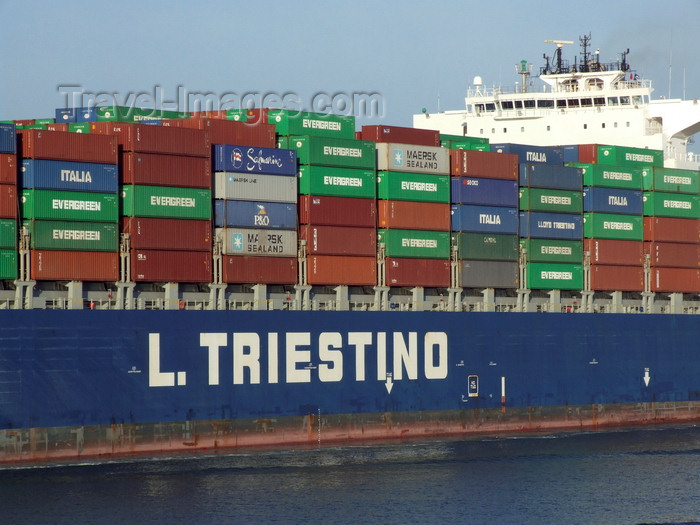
[[224, 281]]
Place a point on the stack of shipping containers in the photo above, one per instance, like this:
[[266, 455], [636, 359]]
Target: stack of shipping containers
[[70, 205], [484, 224], [8, 201], [337, 192], [414, 205], [166, 200]]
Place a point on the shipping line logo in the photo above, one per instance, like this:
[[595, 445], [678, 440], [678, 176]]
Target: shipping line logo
[[359, 104]]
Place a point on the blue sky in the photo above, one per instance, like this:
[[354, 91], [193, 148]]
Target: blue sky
[[405, 52]]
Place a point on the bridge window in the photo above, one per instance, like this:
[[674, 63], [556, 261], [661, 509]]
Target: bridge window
[[586, 102], [624, 101], [507, 104], [612, 101], [529, 104], [573, 102], [561, 103], [490, 107], [545, 103], [585, 126], [598, 101], [518, 104]]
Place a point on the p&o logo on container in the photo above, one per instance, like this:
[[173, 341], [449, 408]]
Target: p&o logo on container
[[398, 157], [237, 158]]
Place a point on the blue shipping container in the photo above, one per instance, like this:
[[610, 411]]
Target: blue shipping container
[[544, 225], [570, 152], [261, 161], [152, 122], [87, 114], [613, 200], [483, 219], [71, 176], [551, 177], [66, 115], [532, 154], [484, 192], [250, 214], [8, 138]]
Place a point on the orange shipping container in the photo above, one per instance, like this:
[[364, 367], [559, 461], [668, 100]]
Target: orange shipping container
[[146, 138], [8, 168], [337, 211], [408, 215], [485, 164], [673, 254], [617, 278], [79, 147], [53, 265], [259, 270], [164, 266], [336, 269], [614, 252], [168, 234], [339, 240], [9, 205], [667, 229], [165, 170], [670, 280], [230, 131], [432, 273]]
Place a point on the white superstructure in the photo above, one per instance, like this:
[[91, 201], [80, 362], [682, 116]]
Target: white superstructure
[[589, 103]]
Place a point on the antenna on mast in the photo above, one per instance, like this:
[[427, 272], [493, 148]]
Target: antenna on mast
[[559, 67]]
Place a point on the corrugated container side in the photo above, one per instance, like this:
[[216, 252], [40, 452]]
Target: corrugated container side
[[8, 138], [607, 176], [70, 205], [327, 151], [678, 205], [684, 280], [489, 274], [553, 250], [532, 154], [544, 276], [570, 152], [80, 147], [9, 206], [668, 229], [289, 122], [484, 192], [153, 169], [544, 225], [8, 264], [66, 114], [170, 266], [421, 187], [69, 176], [613, 252], [486, 246], [250, 241], [259, 270], [627, 156], [154, 139], [75, 127], [483, 219], [420, 244], [73, 236], [400, 135], [551, 177], [229, 131], [252, 159], [337, 182], [166, 202], [58, 127], [588, 153], [255, 214], [337, 211], [407, 215], [673, 255], [613, 200], [8, 168], [617, 278], [8, 234], [429, 273], [613, 226], [339, 240], [53, 265], [413, 158], [241, 186], [483, 164], [341, 270], [559, 201], [168, 234], [672, 180]]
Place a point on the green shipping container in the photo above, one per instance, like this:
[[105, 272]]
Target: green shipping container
[[541, 199], [679, 205], [343, 153], [613, 226], [240, 115], [79, 127], [672, 180], [337, 182], [625, 156], [73, 236], [544, 276], [289, 122], [8, 264], [166, 202], [131, 114], [415, 244], [607, 176], [486, 246], [415, 187], [552, 250], [70, 205], [44, 121], [8, 233], [465, 139], [31, 126]]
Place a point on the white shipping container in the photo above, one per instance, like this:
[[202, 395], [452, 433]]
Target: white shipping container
[[413, 158], [249, 241], [249, 187]]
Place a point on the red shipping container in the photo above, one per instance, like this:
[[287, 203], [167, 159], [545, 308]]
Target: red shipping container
[[25, 122], [9, 205], [673, 254], [146, 138], [79, 147], [8, 168], [430, 273], [400, 135], [59, 126], [216, 113], [336, 269], [588, 153], [155, 169], [408, 215], [486, 164], [230, 131], [358, 135], [614, 252], [606, 278], [685, 280], [165, 266], [259, 270], [54, 265], [337, 211], [168, 234], [667, 229], [339, 240]]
